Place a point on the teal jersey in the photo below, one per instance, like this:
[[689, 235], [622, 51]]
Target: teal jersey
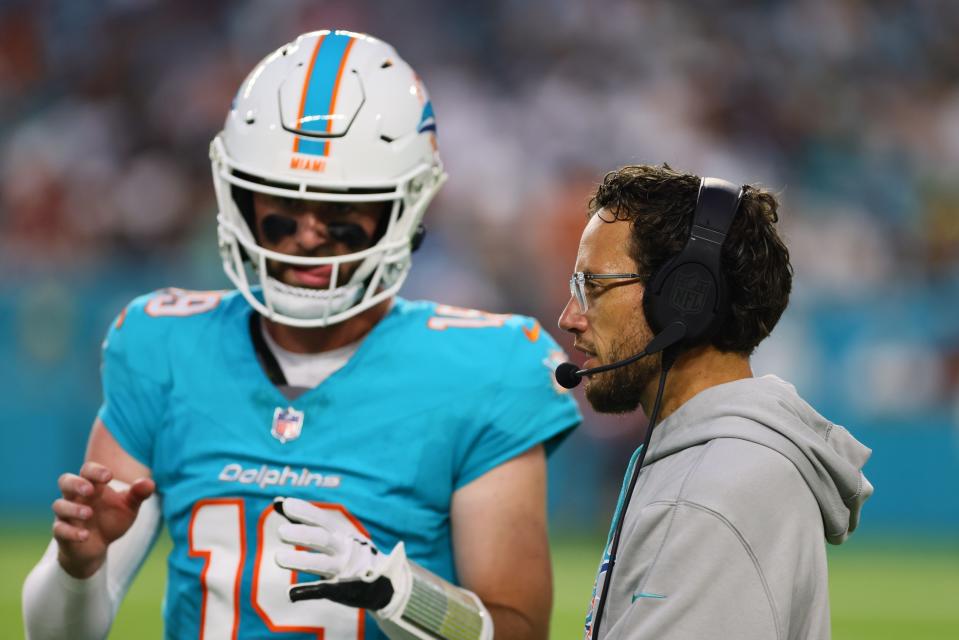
[[434, 397]]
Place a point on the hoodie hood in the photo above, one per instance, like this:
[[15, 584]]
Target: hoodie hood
[[768, 411]]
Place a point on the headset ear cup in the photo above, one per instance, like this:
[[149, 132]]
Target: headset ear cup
[[688, 294], [657, 313], [690, 287]]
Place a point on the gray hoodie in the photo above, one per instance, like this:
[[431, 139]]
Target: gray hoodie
[[724, 533]]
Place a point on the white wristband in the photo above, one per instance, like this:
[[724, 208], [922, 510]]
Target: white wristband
[[57, 605], [432, 608]]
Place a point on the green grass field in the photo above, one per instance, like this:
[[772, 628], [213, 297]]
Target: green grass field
[[879, 591]]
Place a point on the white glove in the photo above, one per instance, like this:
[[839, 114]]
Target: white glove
[[353, 571], [407, 601]]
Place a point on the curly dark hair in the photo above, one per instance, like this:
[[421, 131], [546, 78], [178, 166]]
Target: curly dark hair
[[659, 202]]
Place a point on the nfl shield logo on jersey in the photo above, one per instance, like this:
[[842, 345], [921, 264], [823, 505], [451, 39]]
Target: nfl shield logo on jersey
[[287, 424]]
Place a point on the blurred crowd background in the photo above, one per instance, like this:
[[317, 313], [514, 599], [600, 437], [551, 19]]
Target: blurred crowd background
[[849, 110]]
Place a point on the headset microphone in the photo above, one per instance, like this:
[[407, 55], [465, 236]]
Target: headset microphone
[[568, 375]]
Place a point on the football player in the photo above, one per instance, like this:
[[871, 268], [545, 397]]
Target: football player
[[407, 439]]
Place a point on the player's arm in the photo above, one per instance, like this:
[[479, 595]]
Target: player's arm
[[501, 547], [105, 523]]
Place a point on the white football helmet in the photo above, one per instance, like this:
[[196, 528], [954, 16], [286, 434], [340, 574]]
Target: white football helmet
[[332, 116]]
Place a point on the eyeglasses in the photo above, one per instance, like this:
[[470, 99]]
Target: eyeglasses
[[577, 285]]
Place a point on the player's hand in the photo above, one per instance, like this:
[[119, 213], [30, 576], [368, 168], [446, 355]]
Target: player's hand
[[353, 571], [90, 515]]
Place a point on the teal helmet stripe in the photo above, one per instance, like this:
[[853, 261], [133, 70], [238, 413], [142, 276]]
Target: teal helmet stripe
[[320, 90]]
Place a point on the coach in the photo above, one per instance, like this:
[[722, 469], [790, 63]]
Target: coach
[[720, 528]]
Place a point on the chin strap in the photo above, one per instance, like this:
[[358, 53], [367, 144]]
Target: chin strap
[[302, 302], [406, 600]]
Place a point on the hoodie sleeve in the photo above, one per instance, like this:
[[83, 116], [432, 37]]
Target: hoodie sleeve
[[702, 581]]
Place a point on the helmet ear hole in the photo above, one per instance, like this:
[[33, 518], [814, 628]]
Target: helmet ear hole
[[418, 236]]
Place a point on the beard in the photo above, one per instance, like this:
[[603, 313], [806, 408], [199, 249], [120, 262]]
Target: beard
[[620, 390]]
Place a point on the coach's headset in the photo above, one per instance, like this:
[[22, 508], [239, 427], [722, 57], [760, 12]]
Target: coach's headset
[[690, 288], [685, 303]]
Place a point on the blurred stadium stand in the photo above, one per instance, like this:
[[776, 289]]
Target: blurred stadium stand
[[849, 110]]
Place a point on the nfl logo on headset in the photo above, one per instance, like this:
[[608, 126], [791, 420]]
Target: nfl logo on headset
[[287, 424], [689, 294]]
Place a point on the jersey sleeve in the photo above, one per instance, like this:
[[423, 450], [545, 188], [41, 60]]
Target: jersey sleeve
[[136, 380], [522, 407]]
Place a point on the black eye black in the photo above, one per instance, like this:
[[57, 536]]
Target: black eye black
[[350, 234], [277, 226]]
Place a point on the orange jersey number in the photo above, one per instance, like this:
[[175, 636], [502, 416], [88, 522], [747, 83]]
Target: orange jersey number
[[179, 302], [219, 537], [459, 318]]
